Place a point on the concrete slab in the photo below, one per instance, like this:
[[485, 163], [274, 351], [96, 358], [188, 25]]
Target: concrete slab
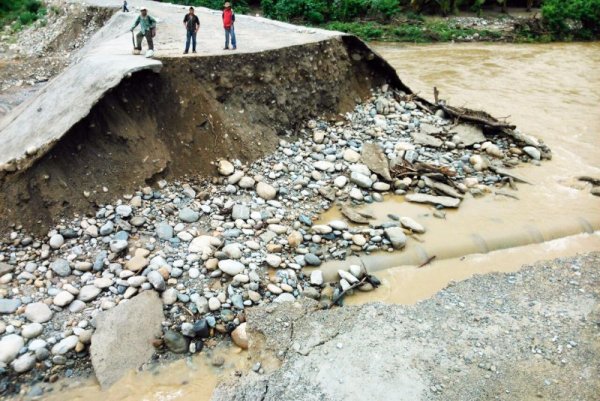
[[29, 130]]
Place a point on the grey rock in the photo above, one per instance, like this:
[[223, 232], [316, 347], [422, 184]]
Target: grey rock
[[467, 134], [361, 180], [176, 342], [6, 268], [266, 191], [61, 267], [412, 225], [285, 297], [188, 215], [240, 212], [445, 201], [124, 211], [9, 305], [312, 259], [65, 345], [532, 152], [107, 228], [118, 245], [164, 231], [88, 293], [427, 140], [373, 156], [396, 237], [157, 280], [123, 337]]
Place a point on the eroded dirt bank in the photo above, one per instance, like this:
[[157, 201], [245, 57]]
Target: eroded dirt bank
[[179, 121]]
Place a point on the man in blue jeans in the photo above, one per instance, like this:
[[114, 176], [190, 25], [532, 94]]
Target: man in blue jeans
[[192, 25], [228, 22]]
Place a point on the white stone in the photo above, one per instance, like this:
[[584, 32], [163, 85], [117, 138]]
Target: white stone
[[10, 345], [231, 267], [38, 312], [273, 260], [63, 298], [225, 168], [412, 225], [214, 304], [351, 156], [56, 241], [32, 330], [65, 345], [316, 277], [266, 191], [88, 292], [340, 181]]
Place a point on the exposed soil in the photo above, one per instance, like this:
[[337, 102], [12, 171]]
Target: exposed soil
[[179, 121]]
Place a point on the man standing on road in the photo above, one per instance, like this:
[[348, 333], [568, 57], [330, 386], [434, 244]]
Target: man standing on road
[[147, 30], [228, 22], [125, 9], [192, 25]]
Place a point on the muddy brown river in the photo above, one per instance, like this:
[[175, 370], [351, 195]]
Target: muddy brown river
[[549, 91]]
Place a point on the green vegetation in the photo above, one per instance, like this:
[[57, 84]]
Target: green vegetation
[[572, 19], [402, 20], [20, 12], [438, 31], [240, 6]]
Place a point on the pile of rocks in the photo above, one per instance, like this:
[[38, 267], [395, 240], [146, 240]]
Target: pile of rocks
[[214, 248], [42, 50]]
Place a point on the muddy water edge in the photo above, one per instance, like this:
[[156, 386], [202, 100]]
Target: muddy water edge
[[550, 91]]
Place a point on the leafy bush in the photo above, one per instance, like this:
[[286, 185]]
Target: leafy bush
[[239, 6], [22, 12], [572, 18]]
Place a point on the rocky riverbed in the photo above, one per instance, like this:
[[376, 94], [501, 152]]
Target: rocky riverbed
[[212, 248]]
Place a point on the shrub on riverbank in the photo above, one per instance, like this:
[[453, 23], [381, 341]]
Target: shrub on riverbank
[[431, 31], [579, 19], [20, 12]]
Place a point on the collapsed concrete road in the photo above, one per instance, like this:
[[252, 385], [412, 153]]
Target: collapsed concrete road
[[119, 125], [528, 335]]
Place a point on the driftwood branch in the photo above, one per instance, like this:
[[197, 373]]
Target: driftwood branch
[[464, 115], [428, 261], [591, 180], [366, 279]]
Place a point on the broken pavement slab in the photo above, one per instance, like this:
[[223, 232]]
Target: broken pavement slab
[[124, 335]]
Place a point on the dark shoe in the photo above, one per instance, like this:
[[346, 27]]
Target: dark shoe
[[194, 51], [234, 48], [226, 48], [185, 52]]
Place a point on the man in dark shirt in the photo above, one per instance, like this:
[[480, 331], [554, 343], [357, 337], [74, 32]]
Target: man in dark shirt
[[191, 24]]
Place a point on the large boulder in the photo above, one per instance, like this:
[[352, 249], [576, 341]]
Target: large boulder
[[124, 335]]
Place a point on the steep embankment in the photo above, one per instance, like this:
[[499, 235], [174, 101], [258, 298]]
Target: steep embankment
[[179, 121]]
